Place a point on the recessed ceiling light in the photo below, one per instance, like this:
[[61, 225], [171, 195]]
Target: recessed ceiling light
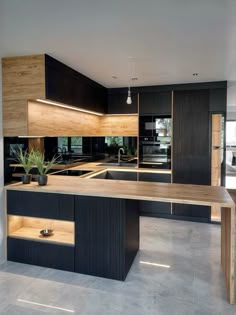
[[114, 77], [134, 79], [195, 74]]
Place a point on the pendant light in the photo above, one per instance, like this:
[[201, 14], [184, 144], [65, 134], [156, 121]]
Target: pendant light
[[131, 78], [129, 99]]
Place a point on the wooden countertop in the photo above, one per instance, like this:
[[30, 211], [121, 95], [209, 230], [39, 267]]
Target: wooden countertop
[[176, 193]]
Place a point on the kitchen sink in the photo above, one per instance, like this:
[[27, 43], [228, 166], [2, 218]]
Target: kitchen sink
[[72, 172], [118, 175], [133, 176]]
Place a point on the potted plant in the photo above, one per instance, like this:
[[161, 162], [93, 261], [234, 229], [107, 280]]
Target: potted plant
[[42, 166], [26, 160]]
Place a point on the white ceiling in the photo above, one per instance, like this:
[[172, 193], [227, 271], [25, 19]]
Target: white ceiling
[[168, 39]]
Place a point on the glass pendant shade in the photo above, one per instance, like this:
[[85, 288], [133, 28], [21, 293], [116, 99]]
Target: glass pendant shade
[[129, 100]]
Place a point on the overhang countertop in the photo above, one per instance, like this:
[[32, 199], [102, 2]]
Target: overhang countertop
[[153, 191]]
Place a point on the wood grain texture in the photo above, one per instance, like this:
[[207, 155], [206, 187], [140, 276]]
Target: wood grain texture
[[228, 249], [49, 120], [216, 159], [166, 192], [36, 144], [29, 228], [119, 125], [23, 78], [15, 122]]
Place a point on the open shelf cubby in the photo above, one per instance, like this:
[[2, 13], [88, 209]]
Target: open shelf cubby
[[29, 228]]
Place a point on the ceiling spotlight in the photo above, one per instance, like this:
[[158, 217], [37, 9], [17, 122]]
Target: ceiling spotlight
[[195, 74], [114, 77]]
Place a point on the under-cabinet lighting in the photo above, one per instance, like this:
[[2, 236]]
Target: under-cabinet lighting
[[154, 264], [31, 136], [78, 109], [46, 305]]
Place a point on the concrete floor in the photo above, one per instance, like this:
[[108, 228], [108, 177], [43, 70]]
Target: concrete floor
[[184, 278]]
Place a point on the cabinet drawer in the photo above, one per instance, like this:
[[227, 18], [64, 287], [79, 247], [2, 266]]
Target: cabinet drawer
[[44, 205], [41, 254]]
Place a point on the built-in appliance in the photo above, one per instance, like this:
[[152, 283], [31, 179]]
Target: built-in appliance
[[155, 142]]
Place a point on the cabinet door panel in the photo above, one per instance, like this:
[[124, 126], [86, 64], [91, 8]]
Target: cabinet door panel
[[45, 205], [117, 103], [191, 145], [158, 103], [106, 236], [41, 254]]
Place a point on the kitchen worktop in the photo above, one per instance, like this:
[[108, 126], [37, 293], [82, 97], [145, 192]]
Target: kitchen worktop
[[166, 192]]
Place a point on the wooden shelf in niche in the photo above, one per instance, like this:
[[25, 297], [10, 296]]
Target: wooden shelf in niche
[[29, 228]]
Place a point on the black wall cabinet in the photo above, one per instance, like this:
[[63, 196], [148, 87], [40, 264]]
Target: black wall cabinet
[[158, 103], [117, 102], [65, 85]]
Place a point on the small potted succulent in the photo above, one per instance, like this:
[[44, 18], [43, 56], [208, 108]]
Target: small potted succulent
[[42, 166], [27, 162]]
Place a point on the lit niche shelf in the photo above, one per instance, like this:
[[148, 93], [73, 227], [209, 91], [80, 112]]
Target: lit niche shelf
[[29, 228]]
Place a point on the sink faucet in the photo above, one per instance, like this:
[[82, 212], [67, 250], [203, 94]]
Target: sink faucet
[[119, 155]]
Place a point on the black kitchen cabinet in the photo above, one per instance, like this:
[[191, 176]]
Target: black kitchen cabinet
[[218, 100], [106, 236], [117, 102], [191, 147], [158, 103], [28, 214], [155, 208], [45, 205], [65, 85], [40, 253]]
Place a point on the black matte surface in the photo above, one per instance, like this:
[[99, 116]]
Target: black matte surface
[[191, 145], [107, 236], [41, 253], [42, 205]]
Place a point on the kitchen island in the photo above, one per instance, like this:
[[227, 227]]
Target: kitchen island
[[105, 221]]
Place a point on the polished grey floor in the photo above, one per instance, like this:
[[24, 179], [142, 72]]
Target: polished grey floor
[[176, 272]]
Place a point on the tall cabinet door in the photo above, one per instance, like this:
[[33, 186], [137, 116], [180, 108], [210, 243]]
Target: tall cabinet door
[[191, 147], [217, 157]]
